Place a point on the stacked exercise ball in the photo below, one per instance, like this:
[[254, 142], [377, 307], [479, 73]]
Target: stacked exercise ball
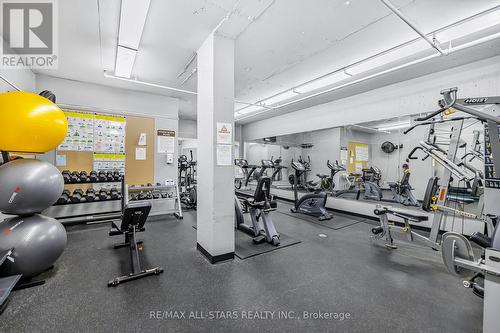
[[31, 123]]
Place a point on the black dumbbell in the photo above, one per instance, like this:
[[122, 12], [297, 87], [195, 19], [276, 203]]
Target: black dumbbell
[[149, 195], [84, 177], [141, 196], [66, 176], [75, 177], [115, 194], [90, 194], [102, 176], [93, 176], [133, 196], [164, 194], [77, 196], [110, 176], [104, 195], [64, 198], [117, 175], [156, 195]]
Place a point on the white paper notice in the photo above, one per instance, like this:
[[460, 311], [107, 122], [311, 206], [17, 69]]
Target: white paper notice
[[362, 153], [224, 155], [166, 144], [359, 168], [224, 133], [140, 154], [166, 141], [343, 154], [60, 160]]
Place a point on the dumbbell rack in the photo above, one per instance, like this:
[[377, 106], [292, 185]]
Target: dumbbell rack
[[160, 206], [88, 212]]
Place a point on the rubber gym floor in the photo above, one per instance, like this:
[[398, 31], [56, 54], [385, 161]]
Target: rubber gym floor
[[403, 290]]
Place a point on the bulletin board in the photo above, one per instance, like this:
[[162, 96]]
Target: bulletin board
[[136, 171], [139, 171], [77, 161], [357, 157]]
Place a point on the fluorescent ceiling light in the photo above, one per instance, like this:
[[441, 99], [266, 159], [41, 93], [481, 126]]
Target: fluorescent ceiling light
[[394, 126], [393, 55], [132, 20], [125, 59], [469, 27], [280, 97], [322, 82]]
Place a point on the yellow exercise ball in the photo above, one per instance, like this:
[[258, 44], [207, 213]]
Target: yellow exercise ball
[[30, 123]]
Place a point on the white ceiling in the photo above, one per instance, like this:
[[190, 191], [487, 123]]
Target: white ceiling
[[288, 43]]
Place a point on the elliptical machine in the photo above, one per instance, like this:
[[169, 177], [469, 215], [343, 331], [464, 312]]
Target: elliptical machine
[[187, 181], [371, 178], [277, 174], [302, 180], [312, 204], [260, 205]]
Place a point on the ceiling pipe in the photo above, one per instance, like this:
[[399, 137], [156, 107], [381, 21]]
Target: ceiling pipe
[[412, 25], [10, 83], [189, 76], [190, 61]]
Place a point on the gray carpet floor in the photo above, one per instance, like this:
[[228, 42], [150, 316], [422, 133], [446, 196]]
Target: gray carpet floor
[[339, 271]]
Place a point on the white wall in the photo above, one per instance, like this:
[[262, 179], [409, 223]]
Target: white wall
[[187, 129], [404, 98], [98, 98], [326, 146]]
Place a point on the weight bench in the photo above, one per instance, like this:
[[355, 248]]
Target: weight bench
[[133, 219], [385, 228]]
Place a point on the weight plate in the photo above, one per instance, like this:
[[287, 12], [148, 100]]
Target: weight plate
[[455, 245]]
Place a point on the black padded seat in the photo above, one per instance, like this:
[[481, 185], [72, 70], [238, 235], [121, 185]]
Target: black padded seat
[[261, 195], [481, 239]]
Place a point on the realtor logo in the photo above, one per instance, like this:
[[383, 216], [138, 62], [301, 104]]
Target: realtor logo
[[29, 33]]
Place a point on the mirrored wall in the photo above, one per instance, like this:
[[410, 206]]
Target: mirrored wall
[[382, 147]]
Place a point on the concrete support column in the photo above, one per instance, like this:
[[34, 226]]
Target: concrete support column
[[215, 212]]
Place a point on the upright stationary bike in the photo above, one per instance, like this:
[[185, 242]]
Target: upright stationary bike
[[312, 204], [259, 206]]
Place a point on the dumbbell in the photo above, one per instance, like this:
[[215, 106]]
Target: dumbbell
[[90, 195], [64, 198], [149, 195], [103, 194], [84, 177], [75, 177], [117, 176], [141, 196], [77, 196], [66, 176], [110, 176], [115, 194], [164, 194], [93, 176], [102, 176], [156, 195], [133, 196]]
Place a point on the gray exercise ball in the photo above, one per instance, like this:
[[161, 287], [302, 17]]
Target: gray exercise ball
[[29, 186], [37, 241]]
